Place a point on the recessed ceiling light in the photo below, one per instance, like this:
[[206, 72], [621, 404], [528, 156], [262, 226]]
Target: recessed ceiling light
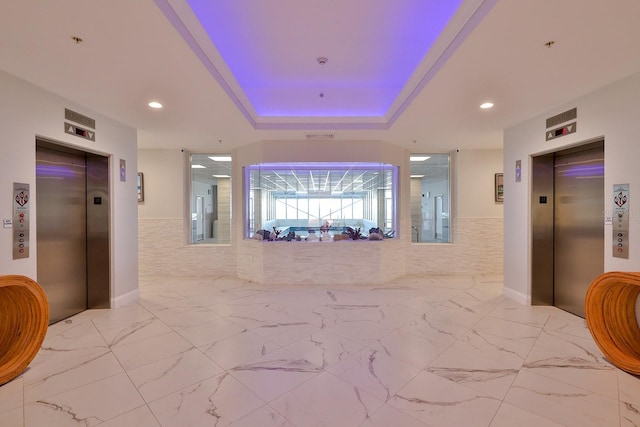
[[198, 167], [221, 176], [419, 158], [486, 105], [220, 158], [417, 176], [155, 104]]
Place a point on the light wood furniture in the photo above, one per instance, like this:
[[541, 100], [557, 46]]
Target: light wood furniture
[[24, 318], [610, 311]]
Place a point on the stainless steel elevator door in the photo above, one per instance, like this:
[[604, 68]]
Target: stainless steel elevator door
[[578, 226], [61, 231]]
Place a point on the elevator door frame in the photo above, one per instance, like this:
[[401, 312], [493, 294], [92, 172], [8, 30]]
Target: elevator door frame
[[98, 224], [543, 223]]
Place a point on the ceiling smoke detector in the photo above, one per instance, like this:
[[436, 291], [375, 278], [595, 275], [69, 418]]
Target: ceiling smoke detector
[[322, 60]]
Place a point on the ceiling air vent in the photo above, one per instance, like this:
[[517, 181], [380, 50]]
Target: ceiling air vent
[[318, 136]]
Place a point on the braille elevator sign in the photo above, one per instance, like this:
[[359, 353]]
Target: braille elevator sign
[[80, 132]]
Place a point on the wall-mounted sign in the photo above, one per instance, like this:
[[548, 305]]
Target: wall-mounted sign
[[567, 129], [21, 205], [562, 131], [123, 170], [621, 221], [518, 170], [79, 132], [562, 117], [79, 118]]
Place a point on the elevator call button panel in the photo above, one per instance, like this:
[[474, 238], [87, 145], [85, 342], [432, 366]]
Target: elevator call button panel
[[621, 221], [21, 204]]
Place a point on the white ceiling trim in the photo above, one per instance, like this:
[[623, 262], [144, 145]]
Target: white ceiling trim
[[465, 20]]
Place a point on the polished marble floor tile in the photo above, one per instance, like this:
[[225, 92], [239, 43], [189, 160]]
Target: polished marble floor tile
[[168, 375], [509, 416], [440, 402], [217, 401], [275, 373], [88, 405], [420, 351], [263, 417], [375, 372], [326, 400], [561, 402]]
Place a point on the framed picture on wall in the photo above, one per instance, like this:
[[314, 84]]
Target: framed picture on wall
[[499, 191], [140, 187]]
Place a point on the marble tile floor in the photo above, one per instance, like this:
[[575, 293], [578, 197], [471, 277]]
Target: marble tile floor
[[429, 351]]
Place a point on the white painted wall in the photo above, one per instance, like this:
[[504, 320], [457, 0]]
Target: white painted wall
[[164, 184], [27, 111], [474, 184], [611, 112]]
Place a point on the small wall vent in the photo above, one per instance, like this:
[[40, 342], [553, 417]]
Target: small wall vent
[[318, 136]]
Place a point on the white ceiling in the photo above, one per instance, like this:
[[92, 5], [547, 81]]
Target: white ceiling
[[365, 74], [132, 54]]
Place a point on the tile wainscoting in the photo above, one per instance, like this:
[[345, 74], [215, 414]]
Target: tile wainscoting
[[477, 249], [162, 251]]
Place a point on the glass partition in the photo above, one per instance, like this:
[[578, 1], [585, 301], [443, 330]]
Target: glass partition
[[210, 198], [310, 198], [430, 198]]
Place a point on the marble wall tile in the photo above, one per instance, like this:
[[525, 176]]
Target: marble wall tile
[[162, 250]]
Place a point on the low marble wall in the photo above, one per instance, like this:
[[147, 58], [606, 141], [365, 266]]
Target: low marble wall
[[321, 263], [477, 249], [162, 251]]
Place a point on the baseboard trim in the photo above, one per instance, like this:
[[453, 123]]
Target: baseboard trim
[[125, 299], [516, 296]]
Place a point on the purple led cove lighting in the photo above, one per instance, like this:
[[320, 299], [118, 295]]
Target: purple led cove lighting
[[401, 40], [321, 166], [55, 171], [584, 171]]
